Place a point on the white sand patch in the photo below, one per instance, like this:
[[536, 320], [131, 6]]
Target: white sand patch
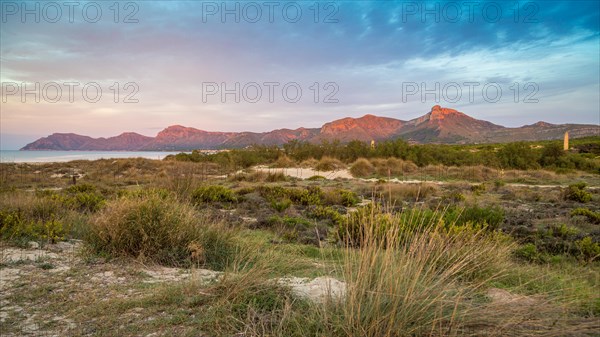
[[305, 173], [165, 274], [7, 275], [317, 290], [501, 296], [8, 255]]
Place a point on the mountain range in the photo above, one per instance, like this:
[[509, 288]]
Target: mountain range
[[440, 125]]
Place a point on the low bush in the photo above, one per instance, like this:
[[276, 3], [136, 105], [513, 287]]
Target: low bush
[[562, 231], [162, 230], [499, 183], [593, 217], [42, 217], [327, 213], [282, 205], [340, 197], [15, 227], [545, 245], [351, 228], [85, 201], [349, 198], [529, 252], [213, 193], [478, 189], [489, 217], [145, 193], [81, 188], [372, 217], [577, 193], [455, 196], [588, 249], [312, 195]]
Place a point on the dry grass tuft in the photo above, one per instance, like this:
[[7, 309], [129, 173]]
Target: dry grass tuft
[[329, 164], [361, 168], [157, 228], [393, 166], [432, 281], [284, 162]]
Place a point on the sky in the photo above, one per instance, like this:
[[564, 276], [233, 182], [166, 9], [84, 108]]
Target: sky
[[100, 69]]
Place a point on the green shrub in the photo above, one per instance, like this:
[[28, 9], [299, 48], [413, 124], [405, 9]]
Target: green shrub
[[351, 229], [316, 178], [44, 209], [529, 253], [16, 228], [340, 197], [499, 183], [160, 230], [478, 189], [282, 205], [349, 198], [563, 231], [593, 217], [373, 220], [311, 195], [82, 197], [490, 217], [213, 193], [81, 188], [326, 213], [456, 196], [273, 192], [85, 201], [576, 192], [588, 250], [145, 193]]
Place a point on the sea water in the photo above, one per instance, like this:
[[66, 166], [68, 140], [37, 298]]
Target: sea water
[[13, 156]]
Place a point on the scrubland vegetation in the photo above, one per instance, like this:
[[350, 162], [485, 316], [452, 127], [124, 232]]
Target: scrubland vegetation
[[331, 155], [431, 241]]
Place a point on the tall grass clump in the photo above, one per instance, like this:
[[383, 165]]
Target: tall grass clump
[[284, 161], [393, 166], [411, 277], [393, 192], [157, 227], [411, 274], [329, 164]]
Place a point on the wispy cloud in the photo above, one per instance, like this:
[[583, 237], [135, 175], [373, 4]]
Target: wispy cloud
[[372, 50]]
